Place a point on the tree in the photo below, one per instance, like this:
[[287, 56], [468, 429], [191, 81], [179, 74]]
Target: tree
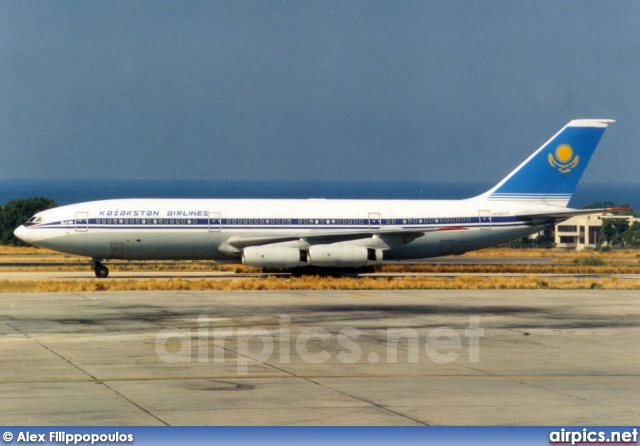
[[541, 241], [17, 212], [611, 204], [632, 235], [612, 231], [625, 205], [600, 205]]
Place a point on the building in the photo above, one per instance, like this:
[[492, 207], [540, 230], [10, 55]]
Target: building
[[583, 230]]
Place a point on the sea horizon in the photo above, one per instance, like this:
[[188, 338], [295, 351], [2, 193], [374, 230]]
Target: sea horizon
[[75, 191]]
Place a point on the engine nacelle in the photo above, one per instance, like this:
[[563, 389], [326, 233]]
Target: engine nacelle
[[273, 257], [343, 256]]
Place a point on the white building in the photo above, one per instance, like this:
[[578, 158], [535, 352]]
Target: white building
[[583, 231]]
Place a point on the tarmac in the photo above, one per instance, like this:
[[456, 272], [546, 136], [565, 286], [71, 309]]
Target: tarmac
[[531, 357]]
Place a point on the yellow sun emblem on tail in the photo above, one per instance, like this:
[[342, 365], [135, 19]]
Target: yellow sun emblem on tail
[[564, 159]]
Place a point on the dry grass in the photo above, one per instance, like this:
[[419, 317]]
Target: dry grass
[[560, 261], [558, 254], [322, 283], [10, 250], [519, 269]]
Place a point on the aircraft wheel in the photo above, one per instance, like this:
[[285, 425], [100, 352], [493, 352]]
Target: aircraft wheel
[[101, 271]]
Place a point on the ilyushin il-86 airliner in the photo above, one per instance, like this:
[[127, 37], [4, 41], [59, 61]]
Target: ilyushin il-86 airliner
[[290, 234]]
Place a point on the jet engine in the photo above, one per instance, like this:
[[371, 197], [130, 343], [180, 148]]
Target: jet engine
[[343, 256], [273, 257]]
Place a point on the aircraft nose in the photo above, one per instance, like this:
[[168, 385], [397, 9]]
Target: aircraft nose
[[21, 233]]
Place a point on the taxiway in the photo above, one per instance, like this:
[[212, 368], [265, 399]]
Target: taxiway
[[320, 358]]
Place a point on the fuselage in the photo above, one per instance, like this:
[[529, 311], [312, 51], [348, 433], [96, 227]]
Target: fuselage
[[163, 229]]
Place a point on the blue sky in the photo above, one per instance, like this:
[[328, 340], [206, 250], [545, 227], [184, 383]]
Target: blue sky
[[312, 90]]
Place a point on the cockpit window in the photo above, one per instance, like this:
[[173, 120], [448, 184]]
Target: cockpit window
[[35, 220]]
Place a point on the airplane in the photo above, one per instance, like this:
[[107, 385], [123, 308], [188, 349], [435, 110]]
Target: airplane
[[325, 233]]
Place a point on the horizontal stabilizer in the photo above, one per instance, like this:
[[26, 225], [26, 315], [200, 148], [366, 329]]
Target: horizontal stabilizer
[[566, 213]]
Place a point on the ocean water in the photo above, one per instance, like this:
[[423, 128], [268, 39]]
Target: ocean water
[[75, 191]]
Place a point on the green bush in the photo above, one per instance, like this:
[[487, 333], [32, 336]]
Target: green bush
[[17, 212], [589, 261], [542, 241]]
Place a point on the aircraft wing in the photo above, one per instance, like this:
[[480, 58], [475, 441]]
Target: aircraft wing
[[328, 237]]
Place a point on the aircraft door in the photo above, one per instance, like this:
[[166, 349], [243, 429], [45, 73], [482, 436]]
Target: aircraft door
[[374, 220], [485, 219], [82, 221], [215, 222]]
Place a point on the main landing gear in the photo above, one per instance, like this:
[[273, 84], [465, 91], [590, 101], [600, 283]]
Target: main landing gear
[[100, 270]]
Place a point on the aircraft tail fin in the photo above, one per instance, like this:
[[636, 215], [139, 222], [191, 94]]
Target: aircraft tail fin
[[551, 174]]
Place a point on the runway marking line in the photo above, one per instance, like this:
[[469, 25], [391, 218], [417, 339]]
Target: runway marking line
[[361, 294]]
